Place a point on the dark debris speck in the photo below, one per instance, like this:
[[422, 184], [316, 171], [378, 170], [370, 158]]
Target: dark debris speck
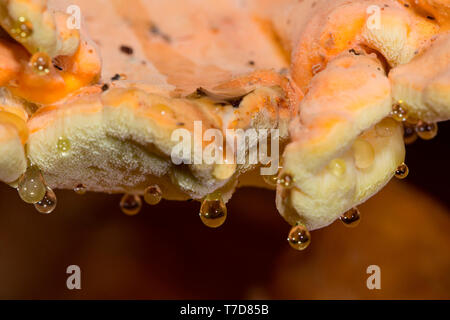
[[157, 32], [126, 49], [116, 77], [57, 67], [353, 51]]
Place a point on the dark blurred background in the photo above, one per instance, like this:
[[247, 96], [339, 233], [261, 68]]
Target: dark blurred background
[[166, 253]]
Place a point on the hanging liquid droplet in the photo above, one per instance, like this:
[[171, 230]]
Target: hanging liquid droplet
[[402, 171], [400, 112], [31, 185], [299, 237], [153, 195], [409, 134], [363, 153], [271, 180], [41, 62], [286, 181], [213, 211], [63, 145], [426, 131], [21, 29], [48, 203], [386, 127], [337, 167], [351, 218], [80, 189], [131, 204]]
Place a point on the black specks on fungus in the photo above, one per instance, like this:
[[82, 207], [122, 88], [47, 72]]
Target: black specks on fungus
[[105, 87], [154, 29], [251, 62], [126, 49], [116, 77], [430, 18], [218, 99], [353, 51], [57, 67]]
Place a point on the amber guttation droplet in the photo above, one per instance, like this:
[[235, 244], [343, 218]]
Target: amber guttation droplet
[[31, 186], [153, 195], [213, 211], [80, 189], [48, 203], [41, 62], [351, 218], [426, 131], [386, 127], [131, 204], [402, 171], [63, 145], [409, 134], [337, 167], [400, 111], [299, 237], [21, 28], [286, 181], [363, 153]]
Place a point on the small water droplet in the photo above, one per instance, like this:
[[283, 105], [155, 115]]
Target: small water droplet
[[80, 189], [41, 62], [31, 186], [21, 29], [153, 195], [299, 237], [337, 167], [386, 127], [213, 211], [426, 131], [409, 134], [400, 112], [131, 204], [286, 181], [351, 218], [363, 153], [402, 171], [48, 203], [63, 145]]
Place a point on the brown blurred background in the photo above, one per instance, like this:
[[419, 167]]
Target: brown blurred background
[[166, 253]]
